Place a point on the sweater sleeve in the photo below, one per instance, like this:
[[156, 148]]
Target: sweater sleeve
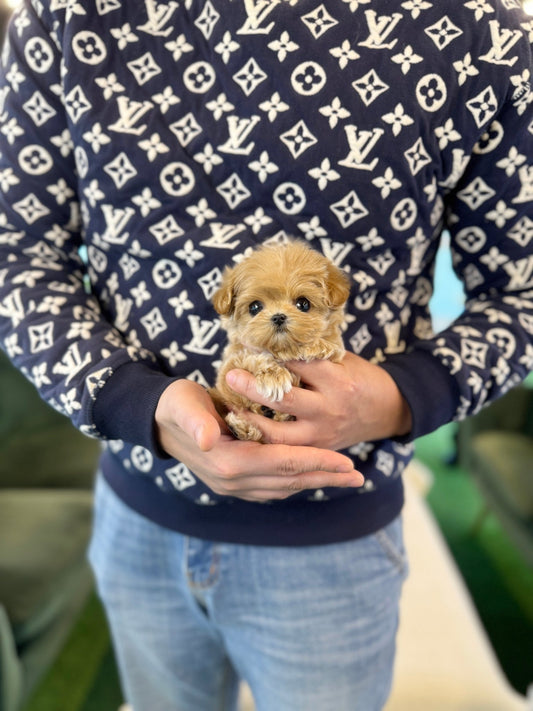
[[50, 325], [489, 215]]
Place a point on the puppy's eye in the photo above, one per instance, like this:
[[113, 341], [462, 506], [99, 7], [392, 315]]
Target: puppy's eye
[[302, 303], [255, 307]]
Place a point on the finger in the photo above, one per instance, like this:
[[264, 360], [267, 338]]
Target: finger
[[313, 372], [200, 421], [292, 432], [244, 468], [277, 494], [292, 403], [207, 434], [287, 479], [288, 461], [269, 488]]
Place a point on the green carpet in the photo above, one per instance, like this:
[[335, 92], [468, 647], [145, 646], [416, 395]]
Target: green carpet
[[499, 580], [84, 678]]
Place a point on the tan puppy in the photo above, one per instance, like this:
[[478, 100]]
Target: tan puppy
[[283, 302]]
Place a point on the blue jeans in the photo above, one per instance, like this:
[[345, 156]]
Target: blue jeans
[[307, 628]]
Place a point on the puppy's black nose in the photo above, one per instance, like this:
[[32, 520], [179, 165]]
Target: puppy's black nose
[[278, 320]]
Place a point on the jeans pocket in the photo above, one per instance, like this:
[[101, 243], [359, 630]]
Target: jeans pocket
[[390, 539]]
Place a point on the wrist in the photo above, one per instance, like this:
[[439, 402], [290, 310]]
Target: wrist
[[125, 406], [400, 422], [404, 422]]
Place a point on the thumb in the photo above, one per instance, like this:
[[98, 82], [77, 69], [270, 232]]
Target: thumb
[[187, 406], [206, 433], [203, 423]]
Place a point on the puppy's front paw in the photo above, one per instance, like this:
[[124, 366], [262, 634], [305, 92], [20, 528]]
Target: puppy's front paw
[[243, 429], [273, 382]]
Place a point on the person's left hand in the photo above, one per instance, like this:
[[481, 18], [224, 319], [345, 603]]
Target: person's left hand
[[338, 405]]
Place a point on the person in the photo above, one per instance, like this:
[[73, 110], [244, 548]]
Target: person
[[144, 147]]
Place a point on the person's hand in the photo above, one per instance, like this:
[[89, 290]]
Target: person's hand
[[189, 429], [339, 405]]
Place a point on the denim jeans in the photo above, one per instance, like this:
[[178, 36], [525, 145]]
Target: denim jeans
[[307, 628]]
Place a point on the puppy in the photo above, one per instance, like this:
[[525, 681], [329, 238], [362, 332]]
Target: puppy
[[283, 302]]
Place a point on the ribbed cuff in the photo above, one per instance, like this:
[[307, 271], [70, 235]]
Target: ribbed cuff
[[126, 405], [430, 391]]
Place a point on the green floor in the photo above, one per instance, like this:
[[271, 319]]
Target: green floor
[[84, 677], [499, 580]]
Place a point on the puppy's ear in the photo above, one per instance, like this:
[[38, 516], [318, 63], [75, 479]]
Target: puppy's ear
[[338, 286], [224, 297]]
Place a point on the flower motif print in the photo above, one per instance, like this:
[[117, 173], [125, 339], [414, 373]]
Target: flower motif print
[[154, 147], [344, 53], [96, 137], [179, 47], [407, 59], [274, 106], [324, 174], [465, 68], [334, 112], [480, 8], [447, 134], [208, 158], [201, 212], [124, 35], [263, 166], [283, 46], [387, 183], [226, 47]]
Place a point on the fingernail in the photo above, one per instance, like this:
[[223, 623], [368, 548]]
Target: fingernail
[[231, 377], [197, 434]]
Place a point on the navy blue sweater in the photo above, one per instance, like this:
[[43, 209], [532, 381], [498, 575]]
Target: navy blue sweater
[[169, 139]]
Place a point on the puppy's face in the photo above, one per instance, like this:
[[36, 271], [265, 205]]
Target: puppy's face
[[282, 299]]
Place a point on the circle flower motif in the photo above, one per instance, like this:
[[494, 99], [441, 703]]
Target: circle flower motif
[[431, 92], [199, 77], [289, 198], [35, 160], [39, 55], [308, 78], [404, 214], [177, 179], [490, 139], [89, 48]]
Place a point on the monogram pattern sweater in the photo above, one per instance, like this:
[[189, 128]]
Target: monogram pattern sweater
[[145, 145]]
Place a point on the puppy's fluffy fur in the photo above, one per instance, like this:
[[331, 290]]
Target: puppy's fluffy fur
[[283, 302]]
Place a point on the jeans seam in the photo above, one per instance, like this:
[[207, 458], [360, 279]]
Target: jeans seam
[[214, 569], [392, 551]]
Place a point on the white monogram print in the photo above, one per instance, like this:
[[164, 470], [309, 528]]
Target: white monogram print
[[165, 140]]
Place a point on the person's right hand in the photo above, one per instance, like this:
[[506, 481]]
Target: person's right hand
[[189, 429]]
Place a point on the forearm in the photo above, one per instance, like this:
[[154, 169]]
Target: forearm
[[50, 326], [489, 348]]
